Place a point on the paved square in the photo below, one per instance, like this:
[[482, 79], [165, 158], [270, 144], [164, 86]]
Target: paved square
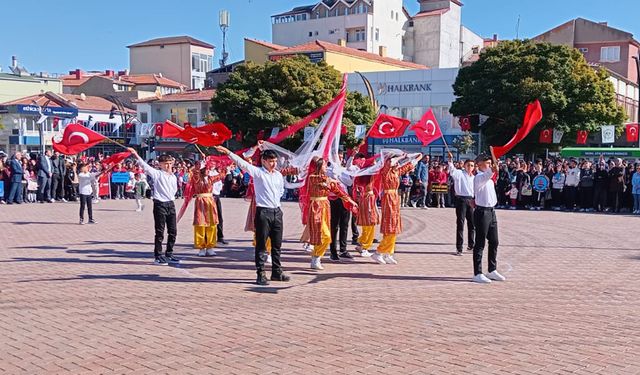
[[87, 299]]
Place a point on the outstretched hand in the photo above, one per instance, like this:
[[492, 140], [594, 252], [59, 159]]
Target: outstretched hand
[[223, 150], [133, 151]]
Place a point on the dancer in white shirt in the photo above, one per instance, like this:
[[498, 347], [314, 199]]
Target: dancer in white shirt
[[463, 186], [485, 220]]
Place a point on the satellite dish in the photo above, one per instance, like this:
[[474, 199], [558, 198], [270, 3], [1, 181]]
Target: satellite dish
[[83, 97]]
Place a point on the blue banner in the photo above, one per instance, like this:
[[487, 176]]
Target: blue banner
[[2, 189], [120, 177], [48, 111]]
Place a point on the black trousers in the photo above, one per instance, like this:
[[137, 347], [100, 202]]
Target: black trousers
[[570, 196], [268, 224], [355, 233], [85, 201], [600, 198], [219, 233], [56, 187], [464, 211], [164, 213], [340, 217], [486, 229], [586, 197]]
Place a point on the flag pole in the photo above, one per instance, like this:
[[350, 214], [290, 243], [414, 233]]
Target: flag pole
[[200, 151], [115, 143]]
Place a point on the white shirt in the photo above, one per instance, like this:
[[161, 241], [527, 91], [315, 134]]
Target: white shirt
[[85, 181], [573, 177], [462, 182], [484, 189], [268, 186], [165, 185], [217, 186]]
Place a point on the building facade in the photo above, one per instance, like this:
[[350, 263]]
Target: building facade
[[188, 107], [18, 83], [434, 37], [604, 46], [409, 94], [22, 132], [183, 59]]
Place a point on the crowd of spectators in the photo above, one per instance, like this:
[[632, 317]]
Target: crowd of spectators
[[600, 185]]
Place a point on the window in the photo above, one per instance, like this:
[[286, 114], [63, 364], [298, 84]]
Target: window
[[361, 35], [192, 116], [144, 117], [316, 33], [610, 54], [396, 16], [310, 34], [377, 34], [583, 50], [391, 14]]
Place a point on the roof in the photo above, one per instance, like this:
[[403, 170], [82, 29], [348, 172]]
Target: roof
[[327, 3], [322, 46], [273, 46], [296, 10], [575, 23], [187, 96], [88, 103], [30, 78], [437, 12], [184, 39], [70, 80]]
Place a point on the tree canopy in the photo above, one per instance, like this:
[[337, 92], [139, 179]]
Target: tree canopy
[[573, 95], [277, 94]]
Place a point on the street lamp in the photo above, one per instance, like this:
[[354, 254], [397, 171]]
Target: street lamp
[[637, 58]]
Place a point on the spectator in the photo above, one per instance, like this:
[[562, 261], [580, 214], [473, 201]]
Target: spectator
[[44, 177], [635, 190], [15, 192], [586, 186], [58, 171], [616, 185], [422, 178], [557, 185], [572, 180], [405, 189], [439, 177]]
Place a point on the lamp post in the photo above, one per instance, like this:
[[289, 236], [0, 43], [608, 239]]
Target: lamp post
[[637, 58], [119, 108]]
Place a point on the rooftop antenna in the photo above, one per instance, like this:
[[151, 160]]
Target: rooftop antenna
[[518, 28], [224, 25]]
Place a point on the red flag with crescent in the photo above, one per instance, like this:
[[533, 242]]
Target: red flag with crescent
[[75, 139], [546, 136], [387, 126], [632, 132], [532, 116], [581, 138], [116, 158], [427, 129]]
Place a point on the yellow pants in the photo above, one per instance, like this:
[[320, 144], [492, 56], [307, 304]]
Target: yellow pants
[[205, 237], [319, 250], [388, 244], [267, 244], [366, 238]]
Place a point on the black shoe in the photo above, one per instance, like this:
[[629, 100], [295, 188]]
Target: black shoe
[[222, 241], [355, 243], [91, 221], [375, 240], [469, 249], [161, 260], [262, 279], [335, 257], [280, 277], [172, 260], [459, 253], [345, 254]]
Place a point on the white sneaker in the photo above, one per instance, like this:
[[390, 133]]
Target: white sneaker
[[378, 258], [307, 247], [480, 278], [64, 200], [202, 252], [316, 264], [138, 209], [388, 258], [269, 260], [365, 254], [211, 252], [495, 276]]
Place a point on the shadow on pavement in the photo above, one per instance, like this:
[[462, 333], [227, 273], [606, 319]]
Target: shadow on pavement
[[144, 277]]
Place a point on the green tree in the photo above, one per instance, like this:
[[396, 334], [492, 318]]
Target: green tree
[[276, 94], [573, 95]]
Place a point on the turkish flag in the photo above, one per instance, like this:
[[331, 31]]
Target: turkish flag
[[343, 130], [116, 158], [75, 139], [632, 132], [217, 131], [465, 123], [546, 136], [168, 129], [427, 129], [532, 116], [581, 138], [387, 126], [129, 125]]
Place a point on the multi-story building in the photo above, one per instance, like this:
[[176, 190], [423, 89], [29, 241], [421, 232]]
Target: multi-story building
[[18, 83], [22, 132], [120, 85], [433, 37], [604, 46], [182, 58]]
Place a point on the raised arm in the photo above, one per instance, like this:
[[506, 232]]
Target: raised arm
[[146, 167], [243, 164]]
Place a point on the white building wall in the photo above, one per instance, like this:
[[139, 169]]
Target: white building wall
[[329, 29], [469, 40], [389, 19], [450, 38], [426, 41]]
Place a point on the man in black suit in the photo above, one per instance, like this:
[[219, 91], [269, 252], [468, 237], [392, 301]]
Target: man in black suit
[[15, 192], [44, 177], [57, 176]]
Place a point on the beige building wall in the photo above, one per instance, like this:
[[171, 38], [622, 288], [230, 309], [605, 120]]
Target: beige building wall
[[256, 53], [172, 60], [12, 88], [350, 64]]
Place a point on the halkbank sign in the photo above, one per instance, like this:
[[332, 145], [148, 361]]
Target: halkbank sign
[[389, 88]]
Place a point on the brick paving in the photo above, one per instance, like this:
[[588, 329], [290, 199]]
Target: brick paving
[[87, 299]]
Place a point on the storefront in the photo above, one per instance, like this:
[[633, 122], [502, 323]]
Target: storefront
[[409, 94]]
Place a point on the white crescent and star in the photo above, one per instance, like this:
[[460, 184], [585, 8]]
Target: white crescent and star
[[84, 137], [382, 125], [433, 126]]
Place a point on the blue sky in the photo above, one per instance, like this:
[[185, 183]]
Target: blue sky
[[93, 35]]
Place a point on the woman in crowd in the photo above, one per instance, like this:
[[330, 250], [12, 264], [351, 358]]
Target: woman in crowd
[[557, 185], [635, 190]]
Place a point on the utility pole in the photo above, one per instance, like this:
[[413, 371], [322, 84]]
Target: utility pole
[[637, 58], [224, 26]]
